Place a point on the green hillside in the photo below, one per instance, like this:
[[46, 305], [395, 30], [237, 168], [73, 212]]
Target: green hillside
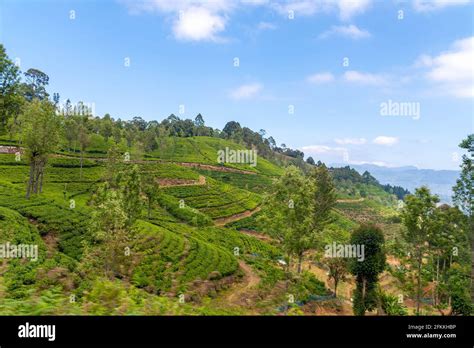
[[199, 246]]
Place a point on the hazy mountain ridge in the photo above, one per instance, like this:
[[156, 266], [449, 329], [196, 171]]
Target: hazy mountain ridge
[[410, 177]]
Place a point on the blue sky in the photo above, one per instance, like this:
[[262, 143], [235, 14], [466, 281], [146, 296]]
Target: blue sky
[[291, 56]]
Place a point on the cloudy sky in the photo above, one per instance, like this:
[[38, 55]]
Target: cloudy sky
[[384, 82]]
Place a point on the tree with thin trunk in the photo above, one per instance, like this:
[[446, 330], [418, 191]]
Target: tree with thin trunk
[[338, 270], [367, 270], [40, 135], [419, 219], [286, 214], [464, 194], [151, 190], [83, 138]]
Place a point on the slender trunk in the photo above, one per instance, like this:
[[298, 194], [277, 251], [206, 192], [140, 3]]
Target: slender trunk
[[37, 176], [437, 279], [364, 284], [41, 181], [336, 280], [300, 262], [30, 180], [418, 291], [287, 281], [82, 158]]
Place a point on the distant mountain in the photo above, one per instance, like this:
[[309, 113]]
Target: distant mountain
[[409, 177]]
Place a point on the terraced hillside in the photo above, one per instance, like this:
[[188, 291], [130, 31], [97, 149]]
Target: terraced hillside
[[198, 250]]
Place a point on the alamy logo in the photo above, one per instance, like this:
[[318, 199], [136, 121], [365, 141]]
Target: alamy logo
[[406, 109], [41, 331], [19, 251], [355, 251], [237, 156]]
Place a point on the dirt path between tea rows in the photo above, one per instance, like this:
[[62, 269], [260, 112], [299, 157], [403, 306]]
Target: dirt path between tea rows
[[168, 182], [228, 219]]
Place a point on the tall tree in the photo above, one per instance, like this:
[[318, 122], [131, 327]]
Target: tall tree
[[107, 127], [419, 219], [338, 269], [151, 190], [367, 270], [324, 197], [131, 186], [83, 138], [287, 211], [310, 160], [35, 86], [199, 121], [109, 231], [464, 194], [40, 135], [10, 99]]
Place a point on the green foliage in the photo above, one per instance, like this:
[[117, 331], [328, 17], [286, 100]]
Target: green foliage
[[71, 225], [464, 189], [367, 270], [390, 304], [287, 211], [419, 218], [183, 212], [170, 259], [324, 197], [458, 288]]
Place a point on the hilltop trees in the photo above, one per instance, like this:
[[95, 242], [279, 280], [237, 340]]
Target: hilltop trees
[[367, 270], [40, 134], [35, 85], [10, 100]]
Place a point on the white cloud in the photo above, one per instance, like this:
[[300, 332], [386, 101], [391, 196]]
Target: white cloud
[[345, 8], [350, 8], [193, 20], [350, 31], [322, 149], [386, 141], [453, 70], [350, 141], [365, 78], [266, 26], [203, 20], [255, 2], [248, 91], [198, 23], [433, 5], [320, 78]]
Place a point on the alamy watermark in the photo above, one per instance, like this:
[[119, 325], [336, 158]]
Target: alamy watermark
[[237, 156], [404, 109], [19, 251], [355, 251]]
